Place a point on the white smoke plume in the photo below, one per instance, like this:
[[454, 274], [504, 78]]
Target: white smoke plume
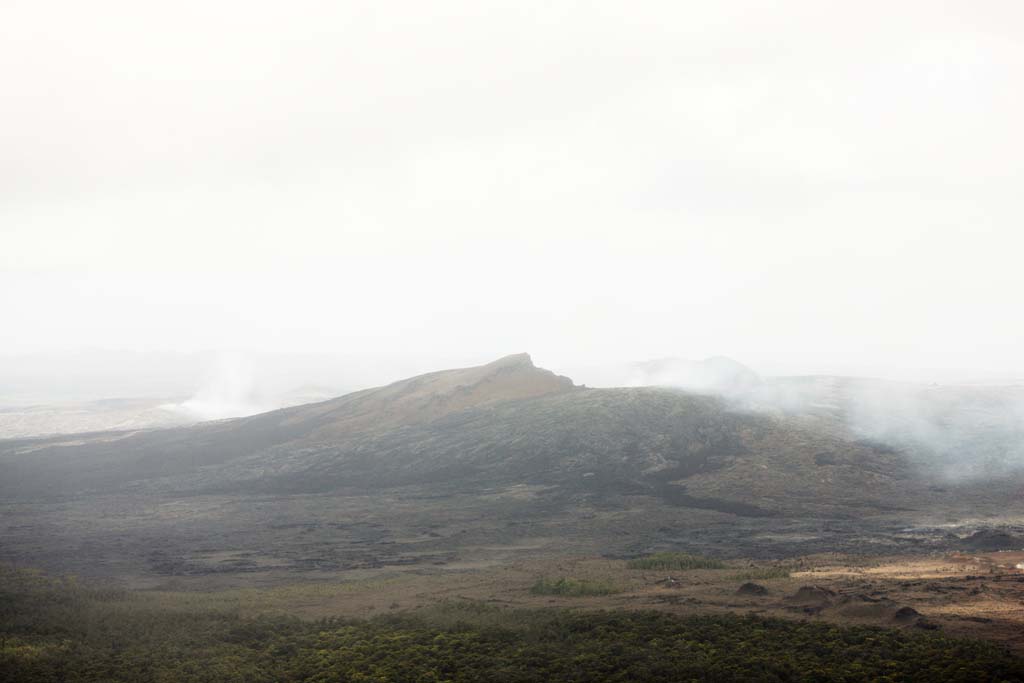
[[229, 389], [956, 432]]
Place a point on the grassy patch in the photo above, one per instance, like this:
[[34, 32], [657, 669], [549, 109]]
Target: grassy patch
[[572, 587], [676, 561], [252, 601], [761, 574]]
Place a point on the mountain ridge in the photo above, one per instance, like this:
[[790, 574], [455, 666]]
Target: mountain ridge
[[479, 457], [505, 423]]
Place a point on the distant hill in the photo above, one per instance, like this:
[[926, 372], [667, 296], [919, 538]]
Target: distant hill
[[500, 424], [459, 463], [69, 417], [23, 420]]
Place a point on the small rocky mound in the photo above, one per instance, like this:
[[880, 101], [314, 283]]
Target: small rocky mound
[[751, 589], [906, 615], [866, 607], [812, 596]]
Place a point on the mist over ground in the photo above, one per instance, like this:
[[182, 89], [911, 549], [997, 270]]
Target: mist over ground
[[958, 430], [961, 430], [652, 340]]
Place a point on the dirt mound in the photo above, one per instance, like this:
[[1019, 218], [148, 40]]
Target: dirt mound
[[865, 607], [751, 589], [906, 615], [812, 596]]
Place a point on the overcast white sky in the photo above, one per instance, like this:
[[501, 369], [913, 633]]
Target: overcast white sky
[[805, 186]]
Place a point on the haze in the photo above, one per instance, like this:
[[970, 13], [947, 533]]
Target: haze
[[807, 188], [533, 341]]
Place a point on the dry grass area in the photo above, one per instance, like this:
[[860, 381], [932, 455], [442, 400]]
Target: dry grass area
[[978, 596]]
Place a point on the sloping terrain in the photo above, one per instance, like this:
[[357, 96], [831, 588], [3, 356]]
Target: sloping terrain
[[109, 460], [503, 424], [460, 469]]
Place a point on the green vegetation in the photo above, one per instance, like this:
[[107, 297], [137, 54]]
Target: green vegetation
[[761, 574], [58, 630], [676, 561], [572, 587]]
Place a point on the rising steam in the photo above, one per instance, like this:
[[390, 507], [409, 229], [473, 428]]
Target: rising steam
[[955, 432], [229, 389]]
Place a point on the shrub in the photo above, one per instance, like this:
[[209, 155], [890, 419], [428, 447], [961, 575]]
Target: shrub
[[572, 587], [676, 561], [761, 574]]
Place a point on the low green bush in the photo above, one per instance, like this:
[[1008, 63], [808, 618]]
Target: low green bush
[[572, 587], [676, 561], [761, 574]]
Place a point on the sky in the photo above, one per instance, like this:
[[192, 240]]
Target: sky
[[807, 187]]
